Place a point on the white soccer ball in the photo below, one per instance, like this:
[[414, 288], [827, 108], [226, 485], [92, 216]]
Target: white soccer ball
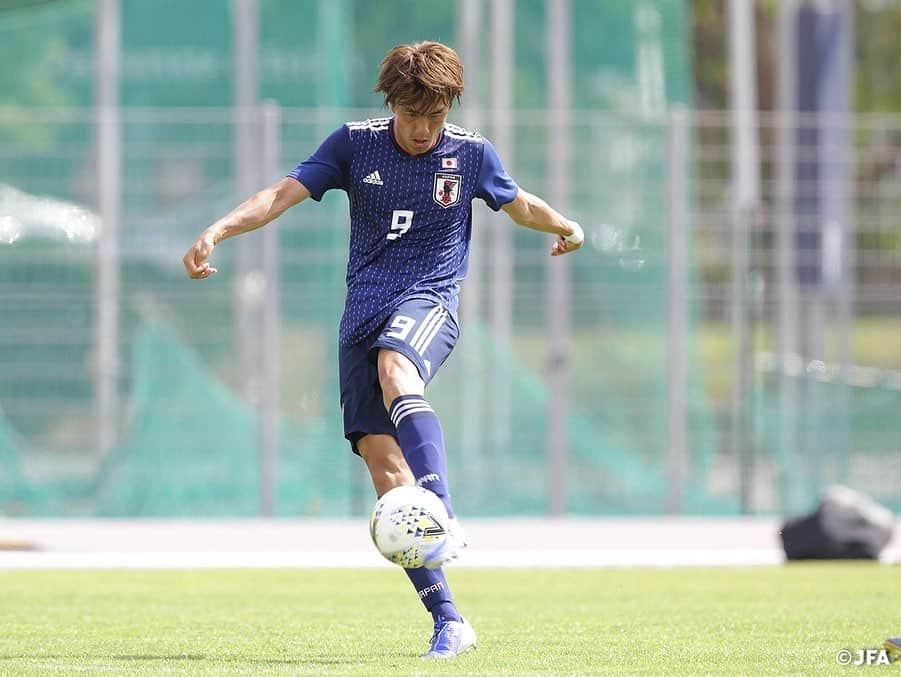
[[407, 524]]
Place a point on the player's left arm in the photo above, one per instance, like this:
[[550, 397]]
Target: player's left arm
[[532, 212]]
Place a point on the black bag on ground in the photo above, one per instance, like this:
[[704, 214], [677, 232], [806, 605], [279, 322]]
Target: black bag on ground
[[846, 525]]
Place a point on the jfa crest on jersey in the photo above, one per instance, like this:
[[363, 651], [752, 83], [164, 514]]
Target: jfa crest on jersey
[[410, 216], [447, 189]]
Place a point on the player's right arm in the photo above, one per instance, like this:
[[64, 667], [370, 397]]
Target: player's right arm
[[327, 168], [265, 206]]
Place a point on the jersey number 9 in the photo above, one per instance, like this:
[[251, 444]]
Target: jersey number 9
[[401, 220]]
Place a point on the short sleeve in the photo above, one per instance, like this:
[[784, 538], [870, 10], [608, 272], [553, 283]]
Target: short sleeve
[[328, 167], [494, 185]]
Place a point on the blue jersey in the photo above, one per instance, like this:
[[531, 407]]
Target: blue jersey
[[410, 216]]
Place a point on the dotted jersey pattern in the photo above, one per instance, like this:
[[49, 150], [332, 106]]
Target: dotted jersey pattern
[[431, 258]]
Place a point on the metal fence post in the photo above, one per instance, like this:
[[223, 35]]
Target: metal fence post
[[746, 187], [471, 465], [557, 297], [788, 362], [109, 197], [271, 325], [848, 288], [677, 290], [838, 211], [502, 111], [247, 281]]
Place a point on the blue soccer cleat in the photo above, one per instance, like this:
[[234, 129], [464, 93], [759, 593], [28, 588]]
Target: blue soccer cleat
[[450, 550], [893, 646], [451, 638]]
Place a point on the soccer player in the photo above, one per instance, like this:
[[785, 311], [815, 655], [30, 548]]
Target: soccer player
[[410, 181]]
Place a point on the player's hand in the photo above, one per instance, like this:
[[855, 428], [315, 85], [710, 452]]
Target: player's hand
[[195, 260], [561, 247], [565, 245]]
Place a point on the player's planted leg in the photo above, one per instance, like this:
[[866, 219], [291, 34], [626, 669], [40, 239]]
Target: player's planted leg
[[388, 469], [451, 638], [452, 634]]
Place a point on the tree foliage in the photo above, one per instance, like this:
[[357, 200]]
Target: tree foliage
[[877, 53]]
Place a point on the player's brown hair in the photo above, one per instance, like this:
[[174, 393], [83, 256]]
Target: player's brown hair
[[422, 76]]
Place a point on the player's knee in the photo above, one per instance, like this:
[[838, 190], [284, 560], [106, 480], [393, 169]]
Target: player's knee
[[397, 376]]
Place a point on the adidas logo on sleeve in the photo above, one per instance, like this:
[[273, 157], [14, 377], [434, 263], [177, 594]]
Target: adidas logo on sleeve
[[374, 178]]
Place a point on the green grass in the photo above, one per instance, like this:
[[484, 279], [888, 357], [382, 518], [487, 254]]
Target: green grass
[[761, 621]]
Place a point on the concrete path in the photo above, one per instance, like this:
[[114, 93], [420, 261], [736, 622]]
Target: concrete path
[[571, 542]]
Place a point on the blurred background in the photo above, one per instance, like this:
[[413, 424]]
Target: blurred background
[[728, 341]]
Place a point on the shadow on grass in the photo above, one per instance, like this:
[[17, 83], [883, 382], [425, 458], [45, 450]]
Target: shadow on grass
[[302, 661], [157, 657], [127, 657], [186, 657]]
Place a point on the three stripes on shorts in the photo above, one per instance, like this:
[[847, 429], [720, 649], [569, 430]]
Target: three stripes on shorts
[[428, 330], [406, 405]]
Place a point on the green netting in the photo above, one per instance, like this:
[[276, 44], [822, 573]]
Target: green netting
[[839, 433], [191, 447], [12, 482]]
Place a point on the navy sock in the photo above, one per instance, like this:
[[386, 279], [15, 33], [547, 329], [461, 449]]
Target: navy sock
[[422, 441], [434, 592]]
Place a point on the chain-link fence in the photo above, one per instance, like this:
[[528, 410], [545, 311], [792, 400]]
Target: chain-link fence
[[704, 373]]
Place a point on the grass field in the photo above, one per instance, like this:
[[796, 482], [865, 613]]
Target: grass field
[[760, 621]]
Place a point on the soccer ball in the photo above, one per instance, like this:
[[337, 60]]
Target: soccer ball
[[407, 525]]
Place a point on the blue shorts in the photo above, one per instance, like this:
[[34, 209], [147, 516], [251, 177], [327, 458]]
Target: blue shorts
[[420, 329]]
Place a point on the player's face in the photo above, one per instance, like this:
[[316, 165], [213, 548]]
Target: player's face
[[417, 131]]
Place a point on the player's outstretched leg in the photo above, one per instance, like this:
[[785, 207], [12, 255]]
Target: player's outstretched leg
[[421, 438], [422, 442], [452, 635]]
